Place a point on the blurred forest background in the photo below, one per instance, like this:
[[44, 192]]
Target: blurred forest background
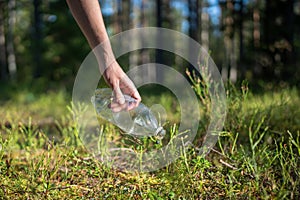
[[258, 40], [257, 155]]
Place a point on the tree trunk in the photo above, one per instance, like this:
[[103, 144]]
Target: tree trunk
[[256, 26], [134, 56], [117, 19], [11, 58], [150, 74], [193, 18], [267, 22], [279, 33], [290, 19], [125, 15], [3, 63], [242, 67], [230, 69], [205, 30], [158, 52], [125, 24], [37, 38]]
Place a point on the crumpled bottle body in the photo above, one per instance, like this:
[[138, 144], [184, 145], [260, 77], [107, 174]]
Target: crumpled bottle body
[[138, 122]]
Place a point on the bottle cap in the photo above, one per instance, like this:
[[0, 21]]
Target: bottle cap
[[160, 132]]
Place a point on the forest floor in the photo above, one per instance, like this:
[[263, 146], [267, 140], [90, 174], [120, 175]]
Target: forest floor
[[257, 155]]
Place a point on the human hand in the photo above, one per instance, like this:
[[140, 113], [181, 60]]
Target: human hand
[[121, 85]]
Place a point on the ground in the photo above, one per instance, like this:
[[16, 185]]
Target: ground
[[257, 155]]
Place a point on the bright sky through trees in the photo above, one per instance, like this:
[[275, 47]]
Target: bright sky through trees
[[212, 9]]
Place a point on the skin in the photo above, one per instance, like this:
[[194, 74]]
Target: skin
[[88, 16]]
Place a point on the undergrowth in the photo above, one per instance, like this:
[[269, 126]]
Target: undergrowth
[[257, 155]]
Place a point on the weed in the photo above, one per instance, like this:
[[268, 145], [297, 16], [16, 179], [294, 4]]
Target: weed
[[257, 155]]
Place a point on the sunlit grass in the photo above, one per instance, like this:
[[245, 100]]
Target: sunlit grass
[[257, 156], [39, 107]]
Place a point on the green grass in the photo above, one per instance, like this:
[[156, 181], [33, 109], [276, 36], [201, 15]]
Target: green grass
[[256, 157]]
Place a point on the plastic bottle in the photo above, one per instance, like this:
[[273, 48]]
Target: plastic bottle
[[138, 122]]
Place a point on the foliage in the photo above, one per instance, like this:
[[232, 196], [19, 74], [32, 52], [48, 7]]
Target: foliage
[[267, 48]]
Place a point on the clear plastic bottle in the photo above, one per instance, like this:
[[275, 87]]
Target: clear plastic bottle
[[138, 122]]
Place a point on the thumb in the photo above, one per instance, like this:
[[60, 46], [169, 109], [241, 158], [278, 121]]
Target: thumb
[[136, 96], [118, 95]]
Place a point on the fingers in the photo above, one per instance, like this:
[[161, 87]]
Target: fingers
[[129, 88], [122, 85], [137, 99], [116, 107], [118, 96], [136, 96], [118, 101], [132, 105]]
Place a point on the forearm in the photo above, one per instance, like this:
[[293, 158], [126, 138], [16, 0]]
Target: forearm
[[87, 14]]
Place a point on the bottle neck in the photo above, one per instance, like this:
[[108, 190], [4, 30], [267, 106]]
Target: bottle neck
[[158, 130]]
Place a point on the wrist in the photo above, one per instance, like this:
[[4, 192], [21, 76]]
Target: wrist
[[113, 74], [104, 56]]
